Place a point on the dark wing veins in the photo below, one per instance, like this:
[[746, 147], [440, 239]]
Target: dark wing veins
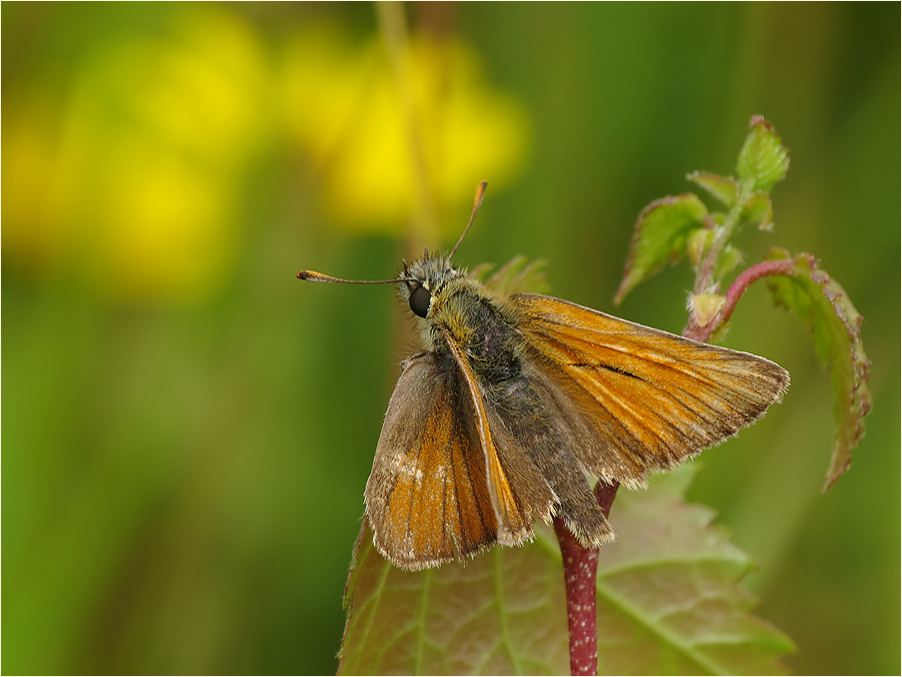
[[618, 370]]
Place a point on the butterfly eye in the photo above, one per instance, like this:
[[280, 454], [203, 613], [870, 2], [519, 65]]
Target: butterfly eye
[[420, 299]]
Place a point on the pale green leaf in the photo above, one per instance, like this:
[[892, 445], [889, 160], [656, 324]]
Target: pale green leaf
[[763, 160], [723, 188], [697, 243], [758, 211], [729, 258]]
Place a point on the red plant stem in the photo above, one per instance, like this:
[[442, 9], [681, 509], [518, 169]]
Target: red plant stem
[[580, 568], [734, 293]]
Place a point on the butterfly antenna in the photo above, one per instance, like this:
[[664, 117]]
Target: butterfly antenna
[[477, 201], [313, 276]]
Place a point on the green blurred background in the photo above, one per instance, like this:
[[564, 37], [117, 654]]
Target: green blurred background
[[188, 429]]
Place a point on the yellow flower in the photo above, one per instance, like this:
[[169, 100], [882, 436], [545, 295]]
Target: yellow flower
[[133, 183], [344, 108], [132, 180]]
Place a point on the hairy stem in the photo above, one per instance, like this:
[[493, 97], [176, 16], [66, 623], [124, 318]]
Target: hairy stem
[[580, 568], [734, 293]]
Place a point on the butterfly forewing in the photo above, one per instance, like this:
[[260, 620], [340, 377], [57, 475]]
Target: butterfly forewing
[[650, 397], [427, 497]]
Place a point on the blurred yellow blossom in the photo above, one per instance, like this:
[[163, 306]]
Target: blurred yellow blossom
[[343, 107], [133, 182], [130, 176], [39, 185]]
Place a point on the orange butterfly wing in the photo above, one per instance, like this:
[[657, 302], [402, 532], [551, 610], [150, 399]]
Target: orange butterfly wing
[[428, 497], [632, 399]]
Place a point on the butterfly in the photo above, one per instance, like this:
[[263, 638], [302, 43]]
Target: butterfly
[[517, 401]]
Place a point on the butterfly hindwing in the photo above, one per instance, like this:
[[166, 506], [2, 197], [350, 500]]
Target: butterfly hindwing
[[427, 496]]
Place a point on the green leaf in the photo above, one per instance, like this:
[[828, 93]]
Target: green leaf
[[514, 277], [836, 325], [697, 243], [758, 211], [722, 187], [667, 603], [705, 306], [660, 236], [729, 258], [763, 160]]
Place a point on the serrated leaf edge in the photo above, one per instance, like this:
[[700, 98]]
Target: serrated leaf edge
[[759, 122], [698, 179], [860, 364], [628, 283]]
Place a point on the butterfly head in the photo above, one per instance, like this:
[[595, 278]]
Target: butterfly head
[[424, 279], [421, 282]]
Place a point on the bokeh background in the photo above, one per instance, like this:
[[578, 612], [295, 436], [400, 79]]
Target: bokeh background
[[187, 429]]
